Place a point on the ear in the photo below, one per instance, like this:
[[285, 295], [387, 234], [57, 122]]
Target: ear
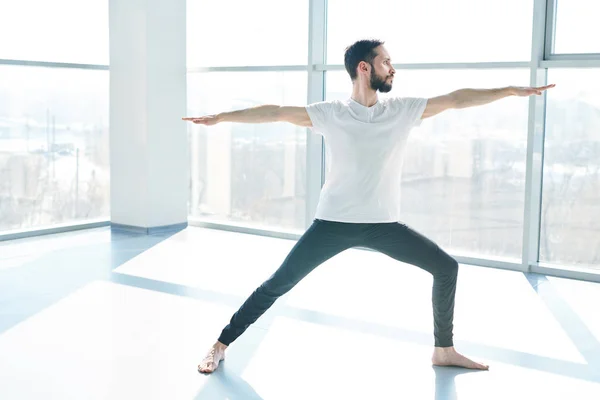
[[363, 67]]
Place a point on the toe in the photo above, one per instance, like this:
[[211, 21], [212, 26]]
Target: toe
[[479, 366], [206, 367]]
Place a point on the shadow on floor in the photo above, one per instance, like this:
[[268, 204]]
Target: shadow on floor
[[584, 340]]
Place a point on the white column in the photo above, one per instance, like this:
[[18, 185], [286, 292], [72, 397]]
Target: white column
[[148, 140]]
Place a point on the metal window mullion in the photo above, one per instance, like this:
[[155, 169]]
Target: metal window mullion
[[574, 57], [570, 63], [56, 229], [550, 27], [48, 64], [590, 274], [442, 66], [535, 142], [317, 42], [249, 68]]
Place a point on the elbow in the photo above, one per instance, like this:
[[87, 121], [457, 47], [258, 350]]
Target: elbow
[[458, 100], [276, 114]]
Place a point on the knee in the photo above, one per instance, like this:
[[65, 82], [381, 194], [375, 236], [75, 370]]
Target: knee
[[452, 266], [449, 267]]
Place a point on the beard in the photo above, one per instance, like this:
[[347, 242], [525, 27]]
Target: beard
[[378, 83]]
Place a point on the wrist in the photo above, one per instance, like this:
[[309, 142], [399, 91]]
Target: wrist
[[511, 90], [220, 117]]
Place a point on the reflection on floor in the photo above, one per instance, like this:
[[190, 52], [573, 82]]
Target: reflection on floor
[[101, 315]]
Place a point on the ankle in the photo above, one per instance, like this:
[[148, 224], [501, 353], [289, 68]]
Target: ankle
[[220, 346]]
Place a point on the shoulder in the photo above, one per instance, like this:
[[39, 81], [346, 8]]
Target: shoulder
[[405, 105], [407, 109], [333, 105], [404, 101]]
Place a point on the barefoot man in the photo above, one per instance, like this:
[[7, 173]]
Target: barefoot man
[[359, 203]]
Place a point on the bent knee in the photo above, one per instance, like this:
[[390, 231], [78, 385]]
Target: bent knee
[[448, 265], [451, 266]]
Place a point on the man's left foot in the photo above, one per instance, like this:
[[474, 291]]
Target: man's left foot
[[449, 357]]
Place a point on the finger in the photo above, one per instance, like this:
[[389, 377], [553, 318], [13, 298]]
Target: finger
[[545, 87]]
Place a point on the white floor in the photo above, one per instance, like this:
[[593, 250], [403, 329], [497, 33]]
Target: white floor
[[358, 327]]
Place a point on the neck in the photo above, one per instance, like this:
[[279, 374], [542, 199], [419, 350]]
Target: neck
[[363, 94]]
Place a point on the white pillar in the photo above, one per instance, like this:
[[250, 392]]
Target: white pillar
[[148, 140]]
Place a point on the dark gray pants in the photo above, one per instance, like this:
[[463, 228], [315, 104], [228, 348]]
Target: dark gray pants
[[325, 239]]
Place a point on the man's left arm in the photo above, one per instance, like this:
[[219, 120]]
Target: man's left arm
[[464, 98]]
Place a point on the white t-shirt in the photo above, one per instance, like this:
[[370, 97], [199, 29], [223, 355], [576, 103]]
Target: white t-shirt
[[365, 150]]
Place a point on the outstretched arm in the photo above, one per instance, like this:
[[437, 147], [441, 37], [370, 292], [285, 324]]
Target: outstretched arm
[[257, 115], [476, 97]]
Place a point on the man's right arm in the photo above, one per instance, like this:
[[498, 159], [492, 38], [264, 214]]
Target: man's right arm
[[257, 115]]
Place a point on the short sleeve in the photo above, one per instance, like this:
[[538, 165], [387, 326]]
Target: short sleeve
[[411, 109], [320, 115]]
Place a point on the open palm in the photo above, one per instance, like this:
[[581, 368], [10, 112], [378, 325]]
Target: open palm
[[530, 91], [205, 120]]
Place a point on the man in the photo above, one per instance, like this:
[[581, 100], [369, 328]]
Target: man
[[359, 203]]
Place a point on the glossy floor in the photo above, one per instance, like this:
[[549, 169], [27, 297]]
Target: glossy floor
[[103, 315]]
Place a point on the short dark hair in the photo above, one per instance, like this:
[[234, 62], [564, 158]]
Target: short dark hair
[[363, 50]]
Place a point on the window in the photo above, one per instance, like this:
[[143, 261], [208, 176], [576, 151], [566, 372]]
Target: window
[[221, 33], [54, 163], [570, 223], [463, 179], [577, 29], [247, 173], [72, 31], [436, 31]]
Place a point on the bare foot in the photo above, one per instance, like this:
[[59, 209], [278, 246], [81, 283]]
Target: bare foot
[[448, 356], [212, 359]]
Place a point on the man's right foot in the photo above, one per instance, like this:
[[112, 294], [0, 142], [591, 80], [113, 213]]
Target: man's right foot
[[212, 359]]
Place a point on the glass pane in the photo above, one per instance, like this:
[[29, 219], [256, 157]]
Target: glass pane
[[221, 33], [59, 30], [463, 181], [434, 31], [577, 28], [570, 229], [54, 160], [247, 173]]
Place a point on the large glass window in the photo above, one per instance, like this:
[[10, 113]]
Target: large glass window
[[247, 173], [434, 30], [570, 228], [72, 31], [577, 28], [54, 163], [463, 179], [246, 33]]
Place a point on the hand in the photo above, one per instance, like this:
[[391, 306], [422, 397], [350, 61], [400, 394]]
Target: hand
[[206, 120], [529, 91]]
